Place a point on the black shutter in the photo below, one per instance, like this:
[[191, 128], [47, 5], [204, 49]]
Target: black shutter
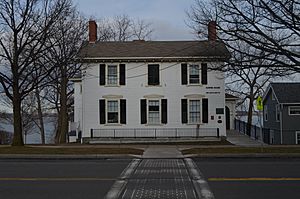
[[143, 111], [123, 111], [183, 74], [153, 74], [205, 110], [204, 73], [184, 111], [102, 74], [164, 111], [122, 74], [102, 111]]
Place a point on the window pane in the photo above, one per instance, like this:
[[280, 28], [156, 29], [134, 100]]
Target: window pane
[[112, 117], [112, 75], [194, 74], [113, 111], [194, 111], [153, 109]]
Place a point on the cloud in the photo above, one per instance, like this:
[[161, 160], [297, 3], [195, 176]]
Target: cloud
[[164, 30]]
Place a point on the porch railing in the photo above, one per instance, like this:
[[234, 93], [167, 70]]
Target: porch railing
[[155, 133], [256, 132]]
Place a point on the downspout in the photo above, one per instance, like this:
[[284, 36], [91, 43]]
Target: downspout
[[281, 135], [82, 107]]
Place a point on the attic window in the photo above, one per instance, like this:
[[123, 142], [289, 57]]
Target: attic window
[[273, 96]]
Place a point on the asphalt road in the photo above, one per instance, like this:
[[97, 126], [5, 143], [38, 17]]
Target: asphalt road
[[88, 179], [252, 178], [58, 179]]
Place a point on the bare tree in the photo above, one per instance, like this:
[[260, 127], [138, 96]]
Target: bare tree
[[25, 26], [271, 26], [123, 28], [251, 66], [70, 33], [248, 77], [141, 29]]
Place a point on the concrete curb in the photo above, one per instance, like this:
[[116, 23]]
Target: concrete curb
[[246, 155], [66, 157]]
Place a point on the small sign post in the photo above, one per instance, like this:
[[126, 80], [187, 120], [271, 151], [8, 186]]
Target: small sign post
[[259, 103], [260, 107]]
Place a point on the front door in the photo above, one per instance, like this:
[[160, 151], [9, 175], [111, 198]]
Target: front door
[[227, 112]]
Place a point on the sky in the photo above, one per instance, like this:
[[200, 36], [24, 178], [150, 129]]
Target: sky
[[167, 16]]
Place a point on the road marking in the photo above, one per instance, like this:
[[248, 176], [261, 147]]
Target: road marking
[[253, 179], [200, 184], [57, 179], [119, 185]]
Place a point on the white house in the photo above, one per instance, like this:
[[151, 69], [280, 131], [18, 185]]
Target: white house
[[150, 88]]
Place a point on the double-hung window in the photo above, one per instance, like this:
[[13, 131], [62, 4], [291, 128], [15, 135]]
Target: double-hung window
[[294, 110], [112, 111], [194, 74], [112, 75], [194, 111], [153, 112]]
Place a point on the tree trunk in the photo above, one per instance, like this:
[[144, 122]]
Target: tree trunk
[[40, 116], [64, 122], [250, 113], [18, 134], [58, 127]]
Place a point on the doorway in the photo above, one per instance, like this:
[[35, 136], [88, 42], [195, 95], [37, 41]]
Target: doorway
[[227, 116]]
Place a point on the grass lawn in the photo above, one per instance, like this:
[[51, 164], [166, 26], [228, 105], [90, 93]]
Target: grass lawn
[[69, 150], [241, 150]]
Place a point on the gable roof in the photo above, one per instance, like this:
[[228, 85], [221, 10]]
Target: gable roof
[[140, 49], [286, 92]]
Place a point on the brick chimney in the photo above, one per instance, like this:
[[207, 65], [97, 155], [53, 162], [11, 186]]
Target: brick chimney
[[212, 31], [92, 31]]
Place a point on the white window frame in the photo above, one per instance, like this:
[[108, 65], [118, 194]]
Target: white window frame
[[265, 113], [119, 111], [188, 74], [159, 114], [298, 107], [106, 74], [296, 134], [188, 110], [277, 109]]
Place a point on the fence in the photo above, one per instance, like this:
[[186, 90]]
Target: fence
[[155, 133], [256, 132]]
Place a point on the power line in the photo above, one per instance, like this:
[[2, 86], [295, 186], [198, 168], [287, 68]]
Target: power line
[[144, 74]]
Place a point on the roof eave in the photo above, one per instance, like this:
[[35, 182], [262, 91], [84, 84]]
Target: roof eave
[[152, 59]]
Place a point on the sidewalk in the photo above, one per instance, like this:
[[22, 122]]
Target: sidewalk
[[162, 151], [239, 139]]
